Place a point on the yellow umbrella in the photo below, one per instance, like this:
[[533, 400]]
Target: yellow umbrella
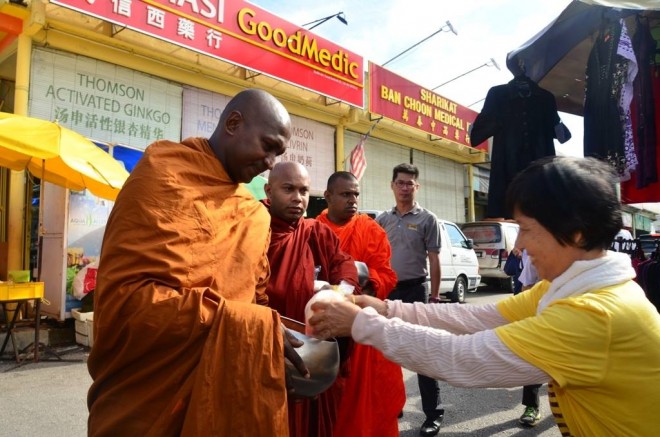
[[58, 155]]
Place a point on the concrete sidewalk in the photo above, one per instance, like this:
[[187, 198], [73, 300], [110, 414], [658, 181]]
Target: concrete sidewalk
[[48, 399]]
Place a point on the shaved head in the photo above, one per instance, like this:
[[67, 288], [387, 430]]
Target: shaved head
[[342, 196], [288, 191], [343, 175], [254, 102], [253, 130], [286, 170]]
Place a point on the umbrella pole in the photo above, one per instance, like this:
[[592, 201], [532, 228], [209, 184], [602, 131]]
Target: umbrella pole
[[40, 241]]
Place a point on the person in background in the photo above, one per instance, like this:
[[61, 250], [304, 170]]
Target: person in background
[[513, 267], [586, 328], [182, 270], [530, 396], [414, 236], [374, 393], [302, 250]]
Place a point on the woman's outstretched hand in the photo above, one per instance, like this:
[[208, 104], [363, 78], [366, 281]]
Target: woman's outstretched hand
[[333, 318]]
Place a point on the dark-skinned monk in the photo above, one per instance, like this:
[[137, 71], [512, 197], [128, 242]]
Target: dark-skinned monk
[[184, 342], [300, 249], [374, 393]]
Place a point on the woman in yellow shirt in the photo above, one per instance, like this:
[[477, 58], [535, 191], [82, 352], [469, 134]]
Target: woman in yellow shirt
[[586, 328]]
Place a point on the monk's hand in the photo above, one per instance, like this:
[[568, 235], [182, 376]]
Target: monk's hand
[[333, 318], [364, 301], [291, 342]]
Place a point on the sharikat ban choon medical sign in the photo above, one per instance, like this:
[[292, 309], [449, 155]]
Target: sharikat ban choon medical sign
[[401, 100]]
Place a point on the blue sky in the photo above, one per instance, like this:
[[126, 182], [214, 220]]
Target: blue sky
[[381, 29]]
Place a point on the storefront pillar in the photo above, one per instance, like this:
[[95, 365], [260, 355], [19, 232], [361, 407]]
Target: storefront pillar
[[339, 148], [17, 215], [470, 193]]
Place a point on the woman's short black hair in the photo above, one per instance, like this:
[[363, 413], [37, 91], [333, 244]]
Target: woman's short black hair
[[567, 196]]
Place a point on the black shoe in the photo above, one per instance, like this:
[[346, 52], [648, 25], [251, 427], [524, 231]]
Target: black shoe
[[431, 427], [400, 415]]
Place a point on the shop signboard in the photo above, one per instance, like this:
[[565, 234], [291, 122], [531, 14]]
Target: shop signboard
[[627, 219], [311, 143], [403, 101], [242, 34], [103, 101]]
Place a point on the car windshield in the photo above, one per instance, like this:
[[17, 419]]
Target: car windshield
[[482, 234]]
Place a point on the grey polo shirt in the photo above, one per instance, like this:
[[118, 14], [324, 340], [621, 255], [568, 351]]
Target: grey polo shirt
[[411, 235]]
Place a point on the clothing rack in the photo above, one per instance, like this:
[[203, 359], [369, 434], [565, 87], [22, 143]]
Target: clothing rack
[[625, 245]]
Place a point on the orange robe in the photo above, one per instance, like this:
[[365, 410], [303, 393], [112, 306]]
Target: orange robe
[[180, 347], [294, 252], [374, 392]]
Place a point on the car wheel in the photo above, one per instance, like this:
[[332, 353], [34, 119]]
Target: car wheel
[[507, 284], [458, 294]]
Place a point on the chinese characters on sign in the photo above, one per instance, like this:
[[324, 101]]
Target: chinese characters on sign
[[243, 34], [398, 99], [103, 101]]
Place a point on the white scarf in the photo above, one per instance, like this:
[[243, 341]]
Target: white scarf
[[582, 276]]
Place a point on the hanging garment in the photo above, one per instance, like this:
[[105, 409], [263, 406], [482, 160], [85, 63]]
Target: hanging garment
[[603, 128], [521, 117], [625, 50], [644, 105], [649, 158]]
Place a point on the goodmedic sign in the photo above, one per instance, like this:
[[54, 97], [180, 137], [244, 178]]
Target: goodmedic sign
[[242, 34]]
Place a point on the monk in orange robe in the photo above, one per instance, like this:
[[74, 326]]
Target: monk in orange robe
[[298, 247], [374, 393], [181, 347]]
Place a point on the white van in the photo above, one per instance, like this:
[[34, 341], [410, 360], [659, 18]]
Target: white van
[[493, 241], [459, 267]]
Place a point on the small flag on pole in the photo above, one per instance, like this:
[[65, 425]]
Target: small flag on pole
[[358, 157], [358, 160]]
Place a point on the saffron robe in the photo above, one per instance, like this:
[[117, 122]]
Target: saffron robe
[[181, 348], [374, 392], [295, 250]]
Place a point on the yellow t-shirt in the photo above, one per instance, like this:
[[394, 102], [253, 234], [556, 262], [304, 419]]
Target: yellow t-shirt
[[601, 348]]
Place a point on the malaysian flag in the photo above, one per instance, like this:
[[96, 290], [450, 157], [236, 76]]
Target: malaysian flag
[[358, 160]]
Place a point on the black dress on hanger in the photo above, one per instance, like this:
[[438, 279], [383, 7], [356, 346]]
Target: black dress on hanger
[[603, 125], [522, 118]]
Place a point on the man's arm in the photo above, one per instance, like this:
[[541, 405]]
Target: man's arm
[[434, 267], [433, 245]]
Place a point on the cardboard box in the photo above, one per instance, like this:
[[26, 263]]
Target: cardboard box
[[78, 315], [90, 330], [84, 325]]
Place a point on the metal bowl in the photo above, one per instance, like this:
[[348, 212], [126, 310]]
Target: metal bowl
[[363, 273], [321, 358]]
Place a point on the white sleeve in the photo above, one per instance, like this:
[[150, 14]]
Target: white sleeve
[[453, 317], [477, 360]]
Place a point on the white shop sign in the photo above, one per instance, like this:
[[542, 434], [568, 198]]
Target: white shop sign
[[103, 101], [311, 144]]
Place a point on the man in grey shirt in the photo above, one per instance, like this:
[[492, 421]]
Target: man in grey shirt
[[414, 236]]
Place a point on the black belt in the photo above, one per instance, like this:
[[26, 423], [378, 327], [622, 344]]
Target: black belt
[[411, 282]]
